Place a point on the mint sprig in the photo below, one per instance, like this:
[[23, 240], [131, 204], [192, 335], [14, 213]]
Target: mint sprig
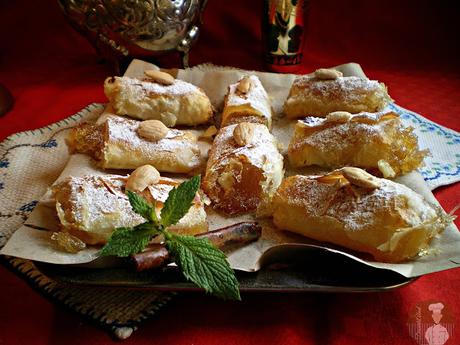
[[200, 262], [126, 241], [140, 205], [179, 201], [204, 265]]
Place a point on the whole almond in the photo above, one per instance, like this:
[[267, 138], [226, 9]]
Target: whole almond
[[389, 116], [327, 74], [244, 85], [332, 178], [386, 169], [209, 133], [244, 133], [141, 178], [159, 77], [339, 116], [360, 178], [152, 130], [168, 119]]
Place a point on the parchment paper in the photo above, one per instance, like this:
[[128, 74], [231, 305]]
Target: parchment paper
[[32, 242]]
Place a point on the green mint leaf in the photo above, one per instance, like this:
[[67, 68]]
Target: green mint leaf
[[127, 241], [179, 201], [204, 265], [140, 205]]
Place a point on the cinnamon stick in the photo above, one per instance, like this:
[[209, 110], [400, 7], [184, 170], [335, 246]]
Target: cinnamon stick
[[157, 255]]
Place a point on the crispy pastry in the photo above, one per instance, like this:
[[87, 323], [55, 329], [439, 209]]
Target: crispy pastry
[[247, 101], [356, 210], [319, 95], [366, 140], [91, 207], [121, 143], [180, 103], [244, 168]]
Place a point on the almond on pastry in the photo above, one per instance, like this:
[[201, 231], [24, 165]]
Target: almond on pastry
[[122, 143], [243, 133], [209, 133], [244, 168], [360, 177], [142, 177], [152, 130], [172, 101], [375, 141], [91, 207], [327, 74], [327, 91], [244, 85], [247, 101], [383, 218], [339, 116], [159, 77]]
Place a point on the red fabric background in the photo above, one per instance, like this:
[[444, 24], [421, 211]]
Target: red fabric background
[[412, 46]]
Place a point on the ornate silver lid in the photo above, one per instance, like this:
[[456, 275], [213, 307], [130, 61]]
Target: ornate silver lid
[[137, 28]]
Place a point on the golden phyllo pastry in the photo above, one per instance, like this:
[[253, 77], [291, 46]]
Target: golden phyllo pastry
[[244, 168], [247, 101], [376, 141], [327, 91], [356, 210], [91, 207], [121, 143], [173, 103]]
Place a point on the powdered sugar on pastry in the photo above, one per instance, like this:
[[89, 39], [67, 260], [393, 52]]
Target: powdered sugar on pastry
[[348, 133], [349, 88], [95, 204], [390, 221], [256, 98], [92, 207], [121, 147], [368, 140], [357, 212], [242, 173], [356, 207], [135, 86], [310, 96], [180, 103], [125, 130], [257, 152]]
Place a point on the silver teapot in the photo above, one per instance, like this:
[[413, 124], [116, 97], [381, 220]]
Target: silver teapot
[[137, 28]]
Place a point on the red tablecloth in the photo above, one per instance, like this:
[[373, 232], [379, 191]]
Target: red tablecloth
[[412, 46]]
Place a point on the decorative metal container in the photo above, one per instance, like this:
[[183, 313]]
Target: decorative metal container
[[137, 28]]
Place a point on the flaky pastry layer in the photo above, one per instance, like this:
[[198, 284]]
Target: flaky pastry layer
[[242, 178], [391, 222], [91, 207], [362, 141], [178, 104], [310, 96], [116, 144], [251, 106]]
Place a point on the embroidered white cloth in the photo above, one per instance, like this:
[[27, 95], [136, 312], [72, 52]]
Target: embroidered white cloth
[[443, 166]]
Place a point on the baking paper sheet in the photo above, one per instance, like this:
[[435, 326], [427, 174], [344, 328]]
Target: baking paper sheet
[[32, 242]]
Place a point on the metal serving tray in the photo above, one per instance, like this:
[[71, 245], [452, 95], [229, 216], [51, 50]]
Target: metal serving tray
[[300, 271]]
